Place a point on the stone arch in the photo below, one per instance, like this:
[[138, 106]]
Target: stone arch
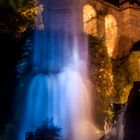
[[111, 35], [89, 20]]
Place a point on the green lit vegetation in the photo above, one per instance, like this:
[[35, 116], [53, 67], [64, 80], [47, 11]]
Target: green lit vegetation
[[122, 79], [112, 79], [100, 70]]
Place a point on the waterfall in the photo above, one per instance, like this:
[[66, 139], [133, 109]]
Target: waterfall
[[58, 88], [116, 131]]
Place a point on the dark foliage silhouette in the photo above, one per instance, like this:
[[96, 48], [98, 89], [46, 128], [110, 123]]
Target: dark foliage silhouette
[[47, 131]]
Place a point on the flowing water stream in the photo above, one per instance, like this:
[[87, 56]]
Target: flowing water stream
[[58, 88]]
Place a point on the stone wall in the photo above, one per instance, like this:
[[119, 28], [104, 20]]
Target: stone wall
[[127, 18]]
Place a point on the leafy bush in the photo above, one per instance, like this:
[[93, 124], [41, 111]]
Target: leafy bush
[[100, 72], [47, 131], [122, 79], [112, 78]]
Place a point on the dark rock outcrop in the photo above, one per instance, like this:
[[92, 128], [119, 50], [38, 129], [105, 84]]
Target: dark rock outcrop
[[132, 122]]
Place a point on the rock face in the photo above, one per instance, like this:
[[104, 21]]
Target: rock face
[[132, 123]]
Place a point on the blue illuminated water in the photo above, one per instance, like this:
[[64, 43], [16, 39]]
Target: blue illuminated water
[[58, 88]]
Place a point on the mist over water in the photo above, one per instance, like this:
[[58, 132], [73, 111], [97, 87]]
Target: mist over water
[[59, 88]]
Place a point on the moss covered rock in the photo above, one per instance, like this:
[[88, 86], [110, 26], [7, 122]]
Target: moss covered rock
[[100, 72]]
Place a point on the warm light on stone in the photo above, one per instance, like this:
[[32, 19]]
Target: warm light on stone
[[89, 19], [111, 34]]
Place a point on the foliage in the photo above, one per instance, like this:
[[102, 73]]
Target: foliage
[[47, 131], [12, 3], [122, 79], [125, 71], [112, 78], [134, 65], [10, 21], [23, 64], [13, 31], [29, 13], [17, 16], [100, 66], [100, 70]]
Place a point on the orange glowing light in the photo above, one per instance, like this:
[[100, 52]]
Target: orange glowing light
[[89, 20], [111, 34]]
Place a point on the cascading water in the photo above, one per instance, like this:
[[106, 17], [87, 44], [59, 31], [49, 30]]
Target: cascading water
[[58, 87]]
